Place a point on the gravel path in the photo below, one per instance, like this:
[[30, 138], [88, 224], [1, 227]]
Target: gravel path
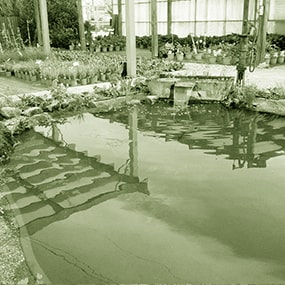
[[13, 269]]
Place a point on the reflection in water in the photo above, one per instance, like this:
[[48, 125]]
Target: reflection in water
[[248, 139], [53, 181], [94, 217]]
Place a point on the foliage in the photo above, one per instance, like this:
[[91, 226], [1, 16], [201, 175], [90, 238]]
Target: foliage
[[6, 143], [63, 22], [243, 96], [277, 40], [154, 67], [22, 55], [27, 23], [9, 8]]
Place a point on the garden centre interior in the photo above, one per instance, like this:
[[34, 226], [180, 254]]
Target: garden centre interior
[[142, 141]]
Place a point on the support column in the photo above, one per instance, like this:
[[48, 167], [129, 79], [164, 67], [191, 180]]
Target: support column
[[262, 30], [154, 46], [45, 29], [169, 17], [81, 25], [242, 64], [131, 38], [38, 23], [195, 18], [120, 17]]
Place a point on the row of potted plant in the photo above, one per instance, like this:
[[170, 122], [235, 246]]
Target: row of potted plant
[[108, 43], [84, 68], [223, 53], [275, 56]]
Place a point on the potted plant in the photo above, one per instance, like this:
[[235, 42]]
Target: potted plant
[[267, 58], [187, 51], [212, 58], [281, 57], [179, 52], [273, 51], [82, 74], [97, 44], [273, 57]]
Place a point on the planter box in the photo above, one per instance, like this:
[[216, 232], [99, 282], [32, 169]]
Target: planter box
[[207, 88], [276, 107], [161, 87], [182, 93]]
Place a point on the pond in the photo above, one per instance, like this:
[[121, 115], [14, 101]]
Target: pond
[[153, 195]]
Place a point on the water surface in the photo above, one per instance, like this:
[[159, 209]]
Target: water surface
[[153, 195]]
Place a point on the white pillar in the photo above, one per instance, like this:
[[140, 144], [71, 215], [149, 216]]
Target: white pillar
[[131, 38], [45, 29]]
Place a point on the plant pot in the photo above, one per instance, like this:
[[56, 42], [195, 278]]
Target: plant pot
[[103, 77], [219, 59], [170, 56], [104, 49], [205, 56], [8, 73], [188, 56], [48, 82], [83, 81], [179, 56], [280, 59], [108, 75], [267, 60], [111, 48], [117, 48], [227, 60], [72, 82], [93, 79], [198, 56], [97, 49], [33, 78], [212, 59], [273, 60]]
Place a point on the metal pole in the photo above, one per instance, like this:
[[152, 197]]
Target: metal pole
[[45, 29], [154, 47], [131, 38], [241, 66]]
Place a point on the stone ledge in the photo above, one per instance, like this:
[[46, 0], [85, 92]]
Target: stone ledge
[[276, 107]]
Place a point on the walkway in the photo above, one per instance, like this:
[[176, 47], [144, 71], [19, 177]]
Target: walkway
[[262, 77]]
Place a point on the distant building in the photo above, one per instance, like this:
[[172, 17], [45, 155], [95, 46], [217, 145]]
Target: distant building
[[203, 17], [96, 13]]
